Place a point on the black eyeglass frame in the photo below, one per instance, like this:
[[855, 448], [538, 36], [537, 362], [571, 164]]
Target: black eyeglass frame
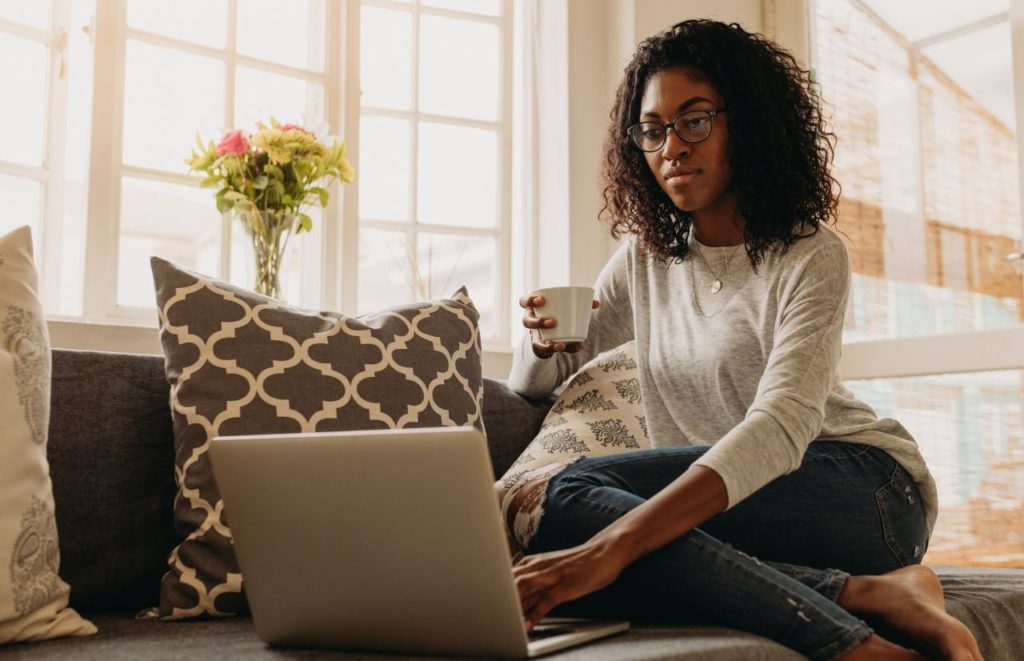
[[672, 126]]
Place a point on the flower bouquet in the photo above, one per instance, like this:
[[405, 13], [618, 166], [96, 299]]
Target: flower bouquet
[[268, 179]]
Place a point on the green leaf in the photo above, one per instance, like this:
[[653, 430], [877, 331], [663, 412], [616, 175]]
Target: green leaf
[[305, 222], [223, 205], [260, 182], [324, 195]]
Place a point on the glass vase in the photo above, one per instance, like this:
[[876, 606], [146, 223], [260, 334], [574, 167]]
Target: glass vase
[[269, 232]]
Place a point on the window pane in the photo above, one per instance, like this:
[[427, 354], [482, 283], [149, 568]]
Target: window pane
[[983, 78], [970, 428], [25, 83], [385, 271], [908, 19], [291, 33], [168, 96], [34, 14], [21, 201], [385, 59], [384, 145], [489, 7], [927, 158], [260, 95], [459, 67], [458, 176], [447, 262], [179, 223], [201, 21]]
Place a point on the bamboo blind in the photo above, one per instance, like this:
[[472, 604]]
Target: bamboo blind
[[929, 207]]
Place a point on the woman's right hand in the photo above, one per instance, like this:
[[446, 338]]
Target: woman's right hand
[[535, 324]]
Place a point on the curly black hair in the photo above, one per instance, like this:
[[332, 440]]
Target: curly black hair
[[780, 146]]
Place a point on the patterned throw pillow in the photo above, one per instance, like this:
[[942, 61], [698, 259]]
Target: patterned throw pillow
[[598, 413], [33, 598], [241, 363]]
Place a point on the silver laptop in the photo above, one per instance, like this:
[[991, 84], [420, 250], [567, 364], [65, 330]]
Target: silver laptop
[[379, 541]]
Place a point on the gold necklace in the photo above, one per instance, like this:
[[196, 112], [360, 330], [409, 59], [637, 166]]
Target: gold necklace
[[716, 286]]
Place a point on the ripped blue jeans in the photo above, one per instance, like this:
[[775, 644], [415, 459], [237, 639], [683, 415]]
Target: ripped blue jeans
[[774, 565]]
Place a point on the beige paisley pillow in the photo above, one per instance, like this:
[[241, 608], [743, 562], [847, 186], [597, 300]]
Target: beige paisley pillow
[[599, 413], [33, 598], [241, 363]]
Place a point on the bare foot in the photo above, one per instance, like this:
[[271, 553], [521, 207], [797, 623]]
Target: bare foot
[[906, 606]]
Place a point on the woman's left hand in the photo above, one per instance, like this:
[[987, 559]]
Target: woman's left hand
[[548, 579]]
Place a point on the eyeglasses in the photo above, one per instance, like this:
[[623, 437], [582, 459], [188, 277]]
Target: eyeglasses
[[691, 127]]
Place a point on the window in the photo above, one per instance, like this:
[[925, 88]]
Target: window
[[111, 95], [434, 129], [922, 103]]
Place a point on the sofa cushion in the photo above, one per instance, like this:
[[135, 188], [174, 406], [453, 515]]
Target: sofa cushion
[[33, 598], [242, 363], [598, 413], [111, 455], [989, 601]]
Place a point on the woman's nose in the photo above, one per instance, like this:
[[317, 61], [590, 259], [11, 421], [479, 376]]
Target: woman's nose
[[674, 146]]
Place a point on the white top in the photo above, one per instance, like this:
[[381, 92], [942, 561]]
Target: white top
[[750, 370]]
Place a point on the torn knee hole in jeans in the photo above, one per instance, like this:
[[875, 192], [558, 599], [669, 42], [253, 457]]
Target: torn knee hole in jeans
[[799, 611]]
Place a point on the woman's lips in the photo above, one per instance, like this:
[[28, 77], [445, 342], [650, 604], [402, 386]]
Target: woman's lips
[[680, 178]]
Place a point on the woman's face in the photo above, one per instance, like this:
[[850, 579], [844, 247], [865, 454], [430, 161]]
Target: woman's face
[[694, 176]]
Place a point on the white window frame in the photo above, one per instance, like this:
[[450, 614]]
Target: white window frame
[[339, 269], [110, 35], [49, 174], [502, 233]]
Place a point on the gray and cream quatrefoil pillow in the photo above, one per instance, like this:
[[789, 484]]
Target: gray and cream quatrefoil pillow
[[241, 363]]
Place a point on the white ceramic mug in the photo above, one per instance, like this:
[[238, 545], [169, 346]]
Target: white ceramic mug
[[571, 308]]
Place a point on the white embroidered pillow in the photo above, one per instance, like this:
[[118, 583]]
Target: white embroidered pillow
[[599, 413], [33, 598]]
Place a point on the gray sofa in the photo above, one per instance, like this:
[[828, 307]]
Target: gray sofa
[[111, 460]]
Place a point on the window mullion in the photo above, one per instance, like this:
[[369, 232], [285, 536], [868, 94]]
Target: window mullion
[[332, 227], [349, 282], [103, 219], [504, 285], [25, 31], [230, 66], [414, 147], [1017, 47], [55, 141]]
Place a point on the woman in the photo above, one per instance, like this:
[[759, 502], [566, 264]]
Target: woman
[[769, 483]]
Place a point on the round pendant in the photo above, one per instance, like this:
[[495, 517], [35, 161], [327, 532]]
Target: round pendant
[[715, 286]]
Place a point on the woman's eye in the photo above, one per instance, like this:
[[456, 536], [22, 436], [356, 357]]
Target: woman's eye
[[652, 134], [696, 124]]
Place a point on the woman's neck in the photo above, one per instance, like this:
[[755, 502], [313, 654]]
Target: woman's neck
[[716, 233], [720, 225]]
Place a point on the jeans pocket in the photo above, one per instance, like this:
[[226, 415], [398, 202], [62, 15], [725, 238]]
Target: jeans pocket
[[902, 516]]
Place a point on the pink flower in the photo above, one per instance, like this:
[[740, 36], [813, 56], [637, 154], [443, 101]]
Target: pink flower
[[233, 143], [291, 127]]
